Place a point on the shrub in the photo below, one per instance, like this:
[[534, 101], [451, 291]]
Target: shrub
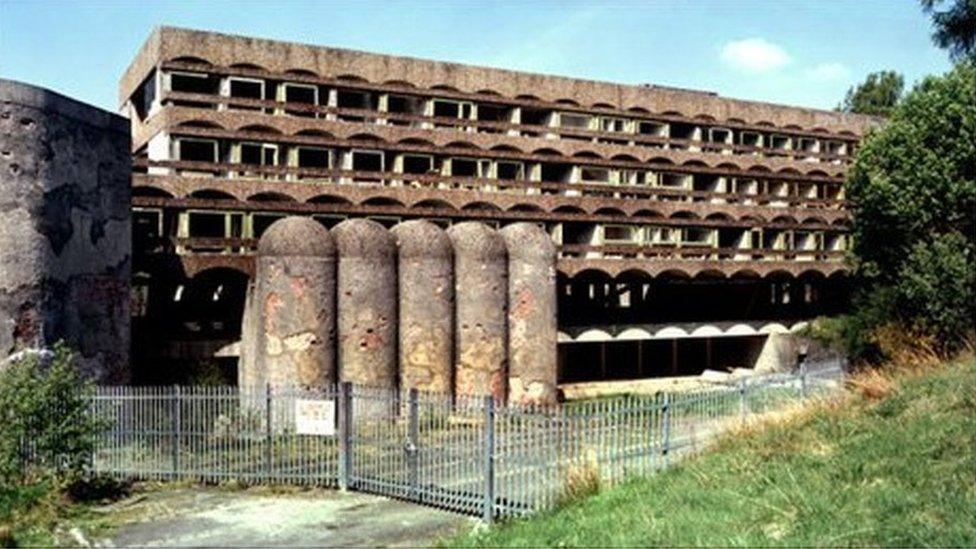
[[45, 425]]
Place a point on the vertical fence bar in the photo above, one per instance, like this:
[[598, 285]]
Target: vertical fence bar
[[803, 379], [743, 406], [177, 427], [413, 443], [267, 430], [345, 435], [666, 428], [489, 460]]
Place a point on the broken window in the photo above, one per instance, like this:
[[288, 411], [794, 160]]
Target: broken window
[[684, 131], [751, 139], [259, 154], [621, 234], [719, 135], [779, 142], [329, 220], [535, 117], [313, 157], [609, 124], [355, 99], [494, 113], [696, 236], [418, 163], [836, 147], [247, 88], [215, 224], [557, 173], [464, 167], [452, 109], [574, 121], [405, 104], [808, 145], [595, 175], [193, 82], [676, 180], [746, 186], [511, 171], [708, 183], [387, 221], [645, 127], [367, 161], [196, 150], [301, 93], [147, 226], [261, 221], [663, 235]]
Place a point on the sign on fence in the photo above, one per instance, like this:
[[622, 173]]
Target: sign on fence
[[315, 417]]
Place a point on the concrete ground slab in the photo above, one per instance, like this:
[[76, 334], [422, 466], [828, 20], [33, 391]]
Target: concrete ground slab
[[197, 517]]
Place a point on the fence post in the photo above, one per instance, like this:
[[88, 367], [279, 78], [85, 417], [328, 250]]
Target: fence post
[[489, 460], [177, 429], [345, 435], [413, 441], [666, 420], [743, 404], [267, 429]]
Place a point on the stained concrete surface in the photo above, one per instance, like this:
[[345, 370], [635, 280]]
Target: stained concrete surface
[[321, 518]]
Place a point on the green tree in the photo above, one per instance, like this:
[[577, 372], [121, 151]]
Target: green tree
[[877, 95], [912, 189], [955, 27], [45, 425]]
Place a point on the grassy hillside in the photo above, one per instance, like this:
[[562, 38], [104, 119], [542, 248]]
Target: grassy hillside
[[892, 465]]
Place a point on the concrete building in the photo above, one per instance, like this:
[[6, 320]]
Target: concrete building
[[65, 256], [692, 231]]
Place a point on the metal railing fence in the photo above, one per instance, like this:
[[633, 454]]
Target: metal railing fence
[[465, 454]]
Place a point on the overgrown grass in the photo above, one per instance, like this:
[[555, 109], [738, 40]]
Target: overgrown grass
[[891, 465]]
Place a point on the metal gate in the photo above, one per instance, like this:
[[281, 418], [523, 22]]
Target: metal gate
[[417, 446]]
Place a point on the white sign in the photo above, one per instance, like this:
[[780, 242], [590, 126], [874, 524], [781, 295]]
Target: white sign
[[315, 417]]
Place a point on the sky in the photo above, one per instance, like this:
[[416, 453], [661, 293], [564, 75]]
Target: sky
[[796, 52]]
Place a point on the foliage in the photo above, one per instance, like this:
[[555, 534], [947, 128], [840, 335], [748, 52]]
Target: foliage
[[913, 193], [45, 427], [825, 478], [955, 28], [877, 95]]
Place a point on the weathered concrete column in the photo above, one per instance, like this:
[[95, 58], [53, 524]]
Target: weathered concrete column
[[481, 288], [367, 303], [293, 313], [425, 264], [532, 326], [249, 374]]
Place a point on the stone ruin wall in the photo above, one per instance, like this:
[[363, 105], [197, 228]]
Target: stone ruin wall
[[467, 311], [65, 236]]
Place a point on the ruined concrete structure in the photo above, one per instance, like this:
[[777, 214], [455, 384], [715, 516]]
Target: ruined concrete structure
[[65, 252], [688, 228], [298, 335]]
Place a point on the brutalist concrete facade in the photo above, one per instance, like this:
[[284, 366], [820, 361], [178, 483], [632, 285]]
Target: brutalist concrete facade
[[688, 227], [65, 244]]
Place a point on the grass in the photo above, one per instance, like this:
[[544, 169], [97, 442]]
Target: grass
[[893, 464], [41, 513]]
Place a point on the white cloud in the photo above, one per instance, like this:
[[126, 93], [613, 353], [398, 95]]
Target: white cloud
[[828, 71], [754, 55]]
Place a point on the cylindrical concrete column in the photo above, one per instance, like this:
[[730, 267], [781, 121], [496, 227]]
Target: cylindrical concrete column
[[481, 288], [367, 303], [425, 264], [249, 374], [294, 306], [532, 326]]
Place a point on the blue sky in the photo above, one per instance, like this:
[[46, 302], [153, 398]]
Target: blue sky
[[788, 51]]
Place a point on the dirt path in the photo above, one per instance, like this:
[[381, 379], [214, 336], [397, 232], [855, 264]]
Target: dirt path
[[213, 517]]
